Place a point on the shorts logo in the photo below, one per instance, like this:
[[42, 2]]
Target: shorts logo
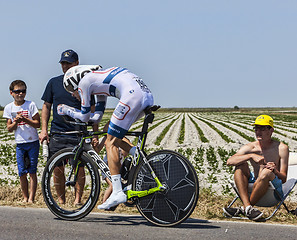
[[113, 129], [142, 85], [121, 111]]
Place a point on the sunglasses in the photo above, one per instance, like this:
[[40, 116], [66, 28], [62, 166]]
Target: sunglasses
[[19, 91], [261, 128]]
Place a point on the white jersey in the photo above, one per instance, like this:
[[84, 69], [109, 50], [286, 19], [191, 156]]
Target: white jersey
[[24, 132], [117, 82]]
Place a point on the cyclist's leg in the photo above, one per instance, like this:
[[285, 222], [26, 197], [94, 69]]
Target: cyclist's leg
[[113, 141], [125, 114], [112, 149], [122, 118], [117, 196], [108, 190], [125, 145]]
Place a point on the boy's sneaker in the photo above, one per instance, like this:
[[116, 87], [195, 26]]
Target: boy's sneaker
[[233, 212], [253, 213]]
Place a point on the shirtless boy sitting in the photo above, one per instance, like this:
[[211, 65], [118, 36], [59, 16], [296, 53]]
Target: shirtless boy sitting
[[269, 159]]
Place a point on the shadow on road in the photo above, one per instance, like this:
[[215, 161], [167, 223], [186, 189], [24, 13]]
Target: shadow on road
[[138, 220]]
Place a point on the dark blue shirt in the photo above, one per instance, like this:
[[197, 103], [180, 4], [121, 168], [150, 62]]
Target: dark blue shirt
[[55, 94]]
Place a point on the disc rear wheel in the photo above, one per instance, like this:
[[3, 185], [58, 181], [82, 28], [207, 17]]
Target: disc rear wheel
[[176, 203]]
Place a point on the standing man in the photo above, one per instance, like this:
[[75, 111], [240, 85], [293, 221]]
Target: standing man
[[269, 159], [54, 95]]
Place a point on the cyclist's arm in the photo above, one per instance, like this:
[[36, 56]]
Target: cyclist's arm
[[85, 113], [99, 108], [82, 115], [95, 126]]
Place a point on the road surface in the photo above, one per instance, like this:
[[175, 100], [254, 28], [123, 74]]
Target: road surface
[[36, 223]]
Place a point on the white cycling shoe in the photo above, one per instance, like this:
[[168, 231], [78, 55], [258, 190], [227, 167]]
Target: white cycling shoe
[[113, 200]]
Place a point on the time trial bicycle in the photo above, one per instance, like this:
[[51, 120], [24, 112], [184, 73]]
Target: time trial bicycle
[[163, 185]]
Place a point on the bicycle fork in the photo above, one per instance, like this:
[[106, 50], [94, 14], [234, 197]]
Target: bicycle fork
[[74, 168]]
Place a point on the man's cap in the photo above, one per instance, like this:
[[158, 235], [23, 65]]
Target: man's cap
[[69, 56], [264, 120]]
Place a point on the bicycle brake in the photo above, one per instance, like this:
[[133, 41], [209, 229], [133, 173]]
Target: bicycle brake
[[70, 183]]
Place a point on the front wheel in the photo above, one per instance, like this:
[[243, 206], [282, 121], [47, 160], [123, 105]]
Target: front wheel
[[177, 202], [59, 195]]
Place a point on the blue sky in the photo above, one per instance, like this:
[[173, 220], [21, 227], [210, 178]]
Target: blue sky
[[211, 53]]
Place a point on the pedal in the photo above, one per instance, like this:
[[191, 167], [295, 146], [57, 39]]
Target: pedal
[[127, 187], [130, 203]]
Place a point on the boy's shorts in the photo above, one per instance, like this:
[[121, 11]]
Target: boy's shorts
[[276, 182], [31, 150]]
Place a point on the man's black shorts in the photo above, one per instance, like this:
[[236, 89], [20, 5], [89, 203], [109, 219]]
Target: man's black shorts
[[58, 142]]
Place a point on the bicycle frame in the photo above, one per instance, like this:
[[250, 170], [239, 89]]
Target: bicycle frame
[[85, 145], [162, 185]]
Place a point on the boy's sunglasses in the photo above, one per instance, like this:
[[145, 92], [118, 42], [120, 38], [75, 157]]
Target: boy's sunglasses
[[19, 91]]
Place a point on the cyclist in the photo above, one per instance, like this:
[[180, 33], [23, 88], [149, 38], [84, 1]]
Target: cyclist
[[134, 96]]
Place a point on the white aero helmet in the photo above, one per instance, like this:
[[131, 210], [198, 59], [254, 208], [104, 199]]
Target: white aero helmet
[[73, 76]]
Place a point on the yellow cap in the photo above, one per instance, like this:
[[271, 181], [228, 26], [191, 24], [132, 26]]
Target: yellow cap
[[264, 120]]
